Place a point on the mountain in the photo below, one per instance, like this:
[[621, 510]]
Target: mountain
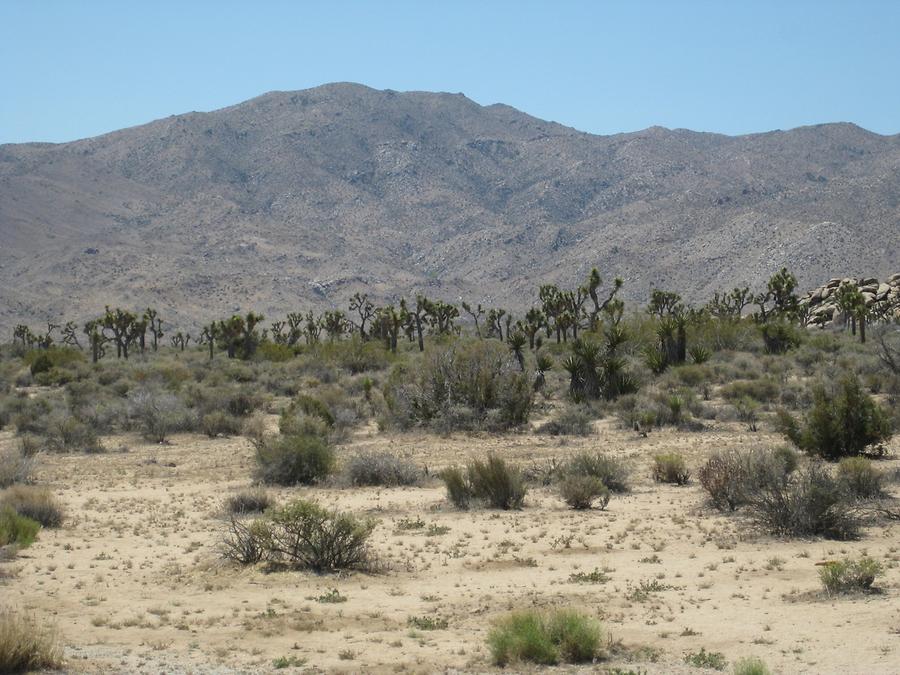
[[298, 199]]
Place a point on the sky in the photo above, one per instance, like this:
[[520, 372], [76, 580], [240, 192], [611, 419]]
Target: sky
[[77, 68]]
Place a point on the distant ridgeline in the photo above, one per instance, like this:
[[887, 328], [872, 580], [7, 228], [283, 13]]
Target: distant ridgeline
[[832, 304]]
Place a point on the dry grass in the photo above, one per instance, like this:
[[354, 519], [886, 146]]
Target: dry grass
[[26, 643]]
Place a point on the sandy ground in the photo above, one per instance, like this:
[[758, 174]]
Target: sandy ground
[[134, 581]]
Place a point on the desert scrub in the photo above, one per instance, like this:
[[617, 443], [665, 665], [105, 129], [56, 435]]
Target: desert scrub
[[380, 468], [492, 482], [157, 413], [750, 665], [301, 459], [35, 503], [27, 644], [248, 501], [731, 477], [705, 659], [581, 492], [220, 423], [469, 385], [860, 478], [15, 467], [841, 423], [573, 420], [670, 468], [16, 530], [613, 472], [308, 536], [808, 502], [849, 576], [559, 636]]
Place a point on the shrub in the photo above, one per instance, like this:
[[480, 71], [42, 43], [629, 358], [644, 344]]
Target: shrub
[[380, 468], [705, 659], [27, 644], [860, 478], [35, 503], [66, 433], [580, 492], [16, 530], [308, 536], [845, 423], [750, 665], [570, 421], [312, 406], [156, 413], [492, 482], [245, 543], [14, 468], [546, 639], [220, 423], [498, 484], [295, 459], [459, 492], [731, 478], [41, 364], [480, 377], [807, 502], [670, 468], [763, 390], [248, 501], [849, 576], [611, 471]]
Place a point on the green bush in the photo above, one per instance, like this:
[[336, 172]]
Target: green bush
[[294, 460], [26, 644], [849, 576], [670, 468], [380, 468], [66, 433], [16, 530], [860, 478], [492, 482], [580, 492], [311, 406], [35, 503], [845, 423], [308, 536], [613, 472], [762, 390], [497, 483], [705, 659], [546, 639], [750, 665]]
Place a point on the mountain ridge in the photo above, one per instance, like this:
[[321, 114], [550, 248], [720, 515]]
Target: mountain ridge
[[292, 200]]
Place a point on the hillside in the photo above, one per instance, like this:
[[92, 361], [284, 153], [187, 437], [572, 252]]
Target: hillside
[[298, 199]]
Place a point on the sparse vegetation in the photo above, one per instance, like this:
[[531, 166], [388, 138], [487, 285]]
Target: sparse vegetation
[[27, 644], [849, 576], [670, 468], [35, 503], [492, 482], [560, 636], [301, 459]]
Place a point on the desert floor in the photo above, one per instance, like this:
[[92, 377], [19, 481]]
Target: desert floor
[[134, 581]]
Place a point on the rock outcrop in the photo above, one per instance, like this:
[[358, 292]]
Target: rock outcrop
[[882, 298]]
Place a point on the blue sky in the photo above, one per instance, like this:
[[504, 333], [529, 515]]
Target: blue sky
[[71, 69]]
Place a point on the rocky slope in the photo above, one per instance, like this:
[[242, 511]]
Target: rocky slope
[[298, 199]]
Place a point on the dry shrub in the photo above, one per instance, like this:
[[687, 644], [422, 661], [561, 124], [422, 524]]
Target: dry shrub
[[580, 492], [613, 472], [492, 482], [670, 468], [14, 468], [27, 644], [248, 501], [380, 468], [36, 503]]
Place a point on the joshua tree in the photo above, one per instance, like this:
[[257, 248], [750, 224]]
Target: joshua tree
[[94, 331], [122, 329], [70, 335], [593, 285], [664, 303], [417, 317], [294, 328], [440, 316], [495, 322], [731, 304], [313, 328], [154, 325], [779, 301], [534, 321], [181, 340], [542, 364], [475, 314], [365, 309], [597, 370], [852, 304], [209, 336], [553, 306], [335, 324], [389, 322], [516, 343]]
